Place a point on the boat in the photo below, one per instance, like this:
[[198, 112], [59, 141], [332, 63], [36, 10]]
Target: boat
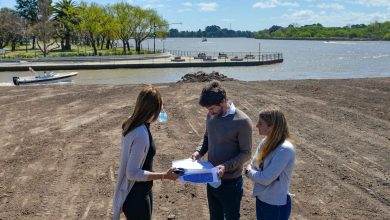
[[204, 39], [45, 77]]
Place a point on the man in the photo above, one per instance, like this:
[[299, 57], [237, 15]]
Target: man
[[228, 142]]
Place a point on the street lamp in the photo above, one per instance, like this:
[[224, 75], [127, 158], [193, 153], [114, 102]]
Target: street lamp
[[154, 33]]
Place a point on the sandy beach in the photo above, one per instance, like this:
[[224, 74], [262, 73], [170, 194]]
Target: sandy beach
[[60, 147]]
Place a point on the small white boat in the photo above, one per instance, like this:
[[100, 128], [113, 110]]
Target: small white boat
[[46, 77], [204, 39]]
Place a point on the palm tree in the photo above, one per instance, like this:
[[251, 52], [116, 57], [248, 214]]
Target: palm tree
[[63, 11]]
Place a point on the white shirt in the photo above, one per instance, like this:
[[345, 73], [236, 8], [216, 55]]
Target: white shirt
[[231, 110]]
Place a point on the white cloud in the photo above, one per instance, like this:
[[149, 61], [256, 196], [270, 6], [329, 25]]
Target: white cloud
[[274, 4], [212, 6], [334, 6], [336, 19], [302, 13], [373, 3]]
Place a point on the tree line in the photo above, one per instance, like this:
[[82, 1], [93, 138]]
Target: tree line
[[51, 26], [373, 31], [210, 31]]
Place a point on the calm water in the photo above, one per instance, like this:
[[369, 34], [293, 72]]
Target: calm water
[[302, 60]]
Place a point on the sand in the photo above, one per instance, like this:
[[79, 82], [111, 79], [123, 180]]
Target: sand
[[60, 147]]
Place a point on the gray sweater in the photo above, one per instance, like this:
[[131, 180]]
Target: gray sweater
[[228, 141], [135, 147], [271, 184]]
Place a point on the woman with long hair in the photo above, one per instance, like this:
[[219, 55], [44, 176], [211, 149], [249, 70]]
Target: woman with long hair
[[133, 192], [271, 167]]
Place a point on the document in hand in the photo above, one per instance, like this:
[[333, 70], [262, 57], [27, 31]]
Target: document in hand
[[199, 171]]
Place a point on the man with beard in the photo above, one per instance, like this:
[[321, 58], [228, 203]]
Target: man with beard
[[228, 142]]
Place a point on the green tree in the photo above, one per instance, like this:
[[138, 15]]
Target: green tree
[[64, 19], [44, 28], [123, 14], [11, 28], [173, 33], [5, 25], [146, 24], [28, 9], [274, 28], [213, 31], [278, 34], [109, 28], [89, 18]]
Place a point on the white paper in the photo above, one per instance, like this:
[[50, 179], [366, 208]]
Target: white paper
[[199, 171]]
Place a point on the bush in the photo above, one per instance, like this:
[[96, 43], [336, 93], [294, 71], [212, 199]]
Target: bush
[[25, 55], [65, 54], [387, 36]]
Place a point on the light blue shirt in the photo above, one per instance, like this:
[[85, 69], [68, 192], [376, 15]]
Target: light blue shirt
[[272, 183]]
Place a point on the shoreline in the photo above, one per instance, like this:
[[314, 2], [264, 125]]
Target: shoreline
[[61, 146]]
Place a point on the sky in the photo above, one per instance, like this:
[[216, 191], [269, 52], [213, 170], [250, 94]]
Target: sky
[[255, 15]]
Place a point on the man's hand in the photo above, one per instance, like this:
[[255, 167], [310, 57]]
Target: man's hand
[[221, 170], [195, 156]]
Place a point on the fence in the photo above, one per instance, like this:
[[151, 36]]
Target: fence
[[228, 56]]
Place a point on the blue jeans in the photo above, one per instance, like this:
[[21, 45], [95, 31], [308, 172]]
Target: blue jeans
[[224, 201], [265, 211]]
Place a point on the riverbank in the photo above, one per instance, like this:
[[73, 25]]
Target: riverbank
[[61, 144]]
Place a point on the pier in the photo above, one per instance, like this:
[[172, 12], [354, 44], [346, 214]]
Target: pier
[[167, 59]]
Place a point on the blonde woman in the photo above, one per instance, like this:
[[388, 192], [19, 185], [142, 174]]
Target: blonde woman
[[133, 192], [271, 167]]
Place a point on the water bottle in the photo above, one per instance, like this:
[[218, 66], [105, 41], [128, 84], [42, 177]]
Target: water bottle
[[162, 117]]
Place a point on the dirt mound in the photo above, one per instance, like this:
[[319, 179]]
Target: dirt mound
[[201, 76]]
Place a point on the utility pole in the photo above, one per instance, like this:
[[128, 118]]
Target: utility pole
[[154, 38]]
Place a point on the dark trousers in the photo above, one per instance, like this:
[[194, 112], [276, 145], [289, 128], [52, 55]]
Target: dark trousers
[[138, 205], [224, 201], [265, 211]]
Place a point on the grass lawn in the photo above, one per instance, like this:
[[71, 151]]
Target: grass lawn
[[20, 52]]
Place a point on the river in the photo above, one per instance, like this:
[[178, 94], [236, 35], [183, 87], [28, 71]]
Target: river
[[302, 60]]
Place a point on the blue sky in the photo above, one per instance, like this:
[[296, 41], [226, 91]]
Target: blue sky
[[256, 15]]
